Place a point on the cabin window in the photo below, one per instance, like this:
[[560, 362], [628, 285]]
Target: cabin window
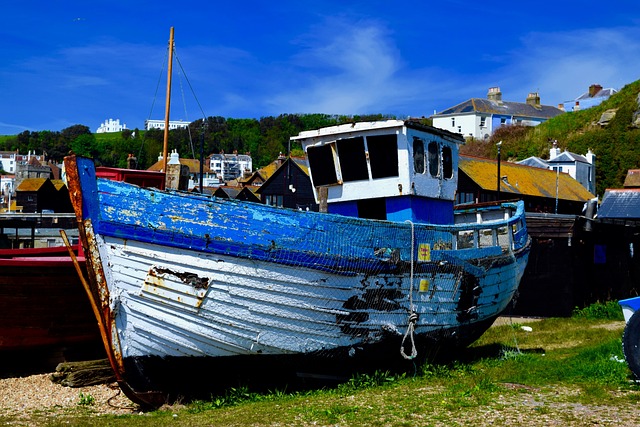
[[447, 163], [383, 155], [321, 165], [418, 155], [433, 159], [353, 159]]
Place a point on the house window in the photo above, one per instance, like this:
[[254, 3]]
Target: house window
[[464, 198], [453, 122], [274, 200], [459, 129], [483, 122], [503, 121]]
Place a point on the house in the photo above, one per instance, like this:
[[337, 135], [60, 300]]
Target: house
[[594, 96], [247, 194], [227, 192], [193, 172], [478, 117], [111, 126], [289, 186], [159, 124], [230, 166], [38, 195], [542, 190], [260, 176], [620, 206], [581, 168], [62, 201]]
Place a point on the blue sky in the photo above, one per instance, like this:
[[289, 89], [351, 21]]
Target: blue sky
[[82, 62]]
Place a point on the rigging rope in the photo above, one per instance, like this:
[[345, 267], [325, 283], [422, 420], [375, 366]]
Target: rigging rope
[[413, 316], [204, 118]]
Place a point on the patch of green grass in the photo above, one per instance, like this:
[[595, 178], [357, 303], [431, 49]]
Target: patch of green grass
[[609, 310]]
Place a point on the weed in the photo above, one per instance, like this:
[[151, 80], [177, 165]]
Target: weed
[[361, 381], [609, 310], [86, 400], [510, 353]]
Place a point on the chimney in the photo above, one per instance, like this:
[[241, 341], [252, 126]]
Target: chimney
[[533, 99], [561, 106], [554, 151], [494, 94], [594, 89]]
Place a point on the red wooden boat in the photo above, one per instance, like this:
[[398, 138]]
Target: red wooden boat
[[42, 301]]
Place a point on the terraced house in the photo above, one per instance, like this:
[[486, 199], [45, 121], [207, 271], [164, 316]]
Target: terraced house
[[479, 117]]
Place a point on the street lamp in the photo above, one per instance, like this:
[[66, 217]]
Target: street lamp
[[499, 144]]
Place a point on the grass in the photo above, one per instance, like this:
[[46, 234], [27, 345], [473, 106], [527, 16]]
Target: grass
[[510, 375]]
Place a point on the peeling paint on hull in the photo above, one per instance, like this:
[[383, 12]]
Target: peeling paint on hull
[[182, 277]]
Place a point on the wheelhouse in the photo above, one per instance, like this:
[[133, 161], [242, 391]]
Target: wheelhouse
[[394, 170]]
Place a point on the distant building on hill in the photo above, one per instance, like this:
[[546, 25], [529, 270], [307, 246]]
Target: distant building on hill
[[159, 124], [111, 126], [594, 96]]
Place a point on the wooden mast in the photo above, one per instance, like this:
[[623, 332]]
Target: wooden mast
[[165, 148]]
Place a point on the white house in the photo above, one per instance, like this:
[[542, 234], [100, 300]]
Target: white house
[[111, 126], [581, 168], [9, 160], [478, 117], [594, 96], [159, 124], [230, 166]]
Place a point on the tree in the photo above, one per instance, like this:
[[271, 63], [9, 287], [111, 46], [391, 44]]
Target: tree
[[84, 145]]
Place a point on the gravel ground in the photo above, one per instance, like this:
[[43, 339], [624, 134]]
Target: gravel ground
[[22, 396]]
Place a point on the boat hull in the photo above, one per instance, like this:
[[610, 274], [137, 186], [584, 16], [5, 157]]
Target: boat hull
[[44, 310], [189, 281]]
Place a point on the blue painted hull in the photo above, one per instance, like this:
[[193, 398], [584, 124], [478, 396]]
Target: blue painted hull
[[182, 277]]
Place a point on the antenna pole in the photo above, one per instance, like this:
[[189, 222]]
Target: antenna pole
[[165, 147]]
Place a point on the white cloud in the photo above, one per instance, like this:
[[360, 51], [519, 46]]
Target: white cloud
[[562, 65], [344, 67]]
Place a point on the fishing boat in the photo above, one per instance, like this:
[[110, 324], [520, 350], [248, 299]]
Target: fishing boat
[[194, 292], [43, 307]]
